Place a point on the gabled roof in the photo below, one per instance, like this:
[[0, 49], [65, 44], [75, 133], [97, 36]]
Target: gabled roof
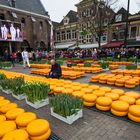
[[34, 6], [72, 15]]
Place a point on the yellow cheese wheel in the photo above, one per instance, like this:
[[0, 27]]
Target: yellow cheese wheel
[[6, 126], [87, 90], [118, 91], [99, 93], [76, 84], [78, 94], [129, 86], [43, 137], [127, 99], [104, 101], [38, 127], [106, 89], [94, 87], [133, 118], [13, 113], [118, 113], [120, 106], [138, 102], [76, 88], [1, 98], [2, 118], [68, 91], [134, 94], [89, 97], [113, 96], [135, 110], [25, 118], [103, 108], [16, 135], [84, 85], [110, 83], [89, 104], [4, 102], [8, 107], [118, 84]]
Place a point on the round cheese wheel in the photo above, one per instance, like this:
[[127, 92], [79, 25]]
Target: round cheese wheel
[[104, 101], [99, 93], [38, 127], [2, 118], [4, 102], [76, 88], [89, 97], [127, 99], [120, 106], [130, 82], [103, 108], [113, 96], [138, 102], [110, 83], [89, 104], [6, 126], [106, 89], [25, 118], [78, 94], [94, 87], [118, 113], [68, 91], [8, 107], [119, 85], [76, 84], [84, 85], [87, 90], [13, 113], [135, 110], [43, 137], [133, 118], [129, 86], [16, 135], [134, 94], [1, 98], [118, 91]]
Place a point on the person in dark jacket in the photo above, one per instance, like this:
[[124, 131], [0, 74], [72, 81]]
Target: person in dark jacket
[[56, 71]]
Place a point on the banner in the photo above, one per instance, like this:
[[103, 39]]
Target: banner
[[10, 31]]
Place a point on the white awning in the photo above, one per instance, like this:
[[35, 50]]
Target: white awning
[[88, 46], [64, 46]]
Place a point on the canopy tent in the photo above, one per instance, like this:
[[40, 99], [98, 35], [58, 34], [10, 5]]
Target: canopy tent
[[87, 46], [113, 44], [64, 45]]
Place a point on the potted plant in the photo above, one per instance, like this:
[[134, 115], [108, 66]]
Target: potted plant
[[36, 94], [2, 77], [17, 88], [66, 107], [104, 65], [6, 65]]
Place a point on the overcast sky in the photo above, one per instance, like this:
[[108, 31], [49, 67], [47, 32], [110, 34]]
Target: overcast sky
[[59, 8]]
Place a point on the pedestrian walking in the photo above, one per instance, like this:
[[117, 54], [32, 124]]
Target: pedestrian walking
[[25, 57]]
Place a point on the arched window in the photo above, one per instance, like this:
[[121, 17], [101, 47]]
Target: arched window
[[2, 17], [41, 25], [23, 20]]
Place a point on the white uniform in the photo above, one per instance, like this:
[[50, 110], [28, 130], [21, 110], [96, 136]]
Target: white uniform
[[2, 32], [25, 57], [13, 33], [5, 31], [18, 33]]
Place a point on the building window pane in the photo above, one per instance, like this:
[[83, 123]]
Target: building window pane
[[133, 32]]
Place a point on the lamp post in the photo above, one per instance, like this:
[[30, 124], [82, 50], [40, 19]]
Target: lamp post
[[126, 30]]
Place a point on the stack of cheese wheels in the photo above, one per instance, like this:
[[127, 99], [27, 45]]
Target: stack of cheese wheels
[[128, 99], [95, 79], [136, 81], [24, 119], [130, 84], [138, 102], [103, 103], [59, 90], [118, 91], [76, 88], [134, 94], [134, 113], [127, 72], [14, 113], [6, 127], [2, 118], [87, 90], [119, 108], [99, 93], [79, 94], [103, 80], [39, 129], [120, 82], [4, 109], [89, 100], [111, 81], [106, 89], [113, 96], [16, 135]]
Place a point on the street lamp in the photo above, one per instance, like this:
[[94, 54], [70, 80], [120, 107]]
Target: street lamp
[[126, 30]]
